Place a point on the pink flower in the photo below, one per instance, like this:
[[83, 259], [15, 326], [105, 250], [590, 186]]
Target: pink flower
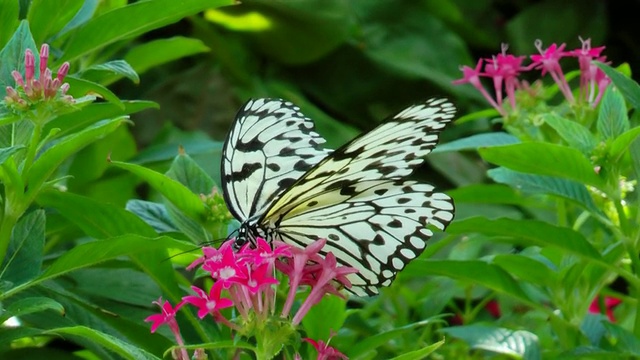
[[32, 89], [549, 61], [472, 76], [592, 79], [610, 302], [168, 317], [208, 304], [325, 352], [505, 68]]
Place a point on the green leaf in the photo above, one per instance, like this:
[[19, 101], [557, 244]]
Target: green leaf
[[47, 163], [122, 348], [176, 193], [612, 117], [325, 317], [24, 256], [574, 133], [31, 305], [519, 343], [132, 20], [628, 87], [160, 51], [116, 67], [190, 174], [12, 55], [420, 354], [6, 153], [544, 159], [520, 266], [97, 219], [529, 232], [154, 214], [93, 112], [82, 16], [486, 194], [49, 17], [540, 184], [623, 340], [8, 20], [474, 142], [493, 277], [93, 253], [621, 144], [372, 342], [80, 87]]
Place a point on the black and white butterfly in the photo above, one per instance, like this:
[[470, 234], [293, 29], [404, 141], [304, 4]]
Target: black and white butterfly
[[280, 183]]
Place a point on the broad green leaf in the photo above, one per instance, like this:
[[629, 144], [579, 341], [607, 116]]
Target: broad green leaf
[[24, 255], [190, 174], [187, 225], [160, 51], [47, 18], [528, 232], [82, 16], [540, 184], [544, 159], [375, 341], [130, 21], [97, 219], [474, 142], [520, 266], [420, 354], [176, 193], [47, 163], [93, 112], [482, 114], [325, 317], [118, 346], [634, 151], [31, 305], [96, 252], [518, 343], [168, 151], [621, 144], [493, 277], [12, 55], [81, 87], [5, 153], [574, 133], [8, 20], [275, 27], [592, 327], [154, 214], [627, 86], [487, 194], [623, 340], [612, 117], [116, 67]]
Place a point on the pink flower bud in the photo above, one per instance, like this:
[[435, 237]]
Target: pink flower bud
[[64, 88], [62, 72], [12, 93], [17, 77], [44, 57], [29, 66]]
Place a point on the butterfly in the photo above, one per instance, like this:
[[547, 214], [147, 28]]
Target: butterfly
[[280, 183]]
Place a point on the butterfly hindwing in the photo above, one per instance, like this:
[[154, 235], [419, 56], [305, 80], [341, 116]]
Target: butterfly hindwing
[[270, 146], [376, 226], [356, 198]]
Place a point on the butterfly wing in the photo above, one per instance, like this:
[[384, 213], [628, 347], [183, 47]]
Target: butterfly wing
[[356, 198], [271, 145]]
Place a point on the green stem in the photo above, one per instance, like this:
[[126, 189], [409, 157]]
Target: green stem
[[32, 149]]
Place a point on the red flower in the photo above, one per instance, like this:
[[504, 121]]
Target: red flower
[[610, 302]]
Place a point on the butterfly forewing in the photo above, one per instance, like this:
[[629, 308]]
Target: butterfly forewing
[[270, 146]]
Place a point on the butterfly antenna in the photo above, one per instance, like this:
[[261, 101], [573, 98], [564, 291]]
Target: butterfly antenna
[[207, 243]]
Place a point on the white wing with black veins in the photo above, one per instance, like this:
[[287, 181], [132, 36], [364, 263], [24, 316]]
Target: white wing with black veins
[[270, 146]]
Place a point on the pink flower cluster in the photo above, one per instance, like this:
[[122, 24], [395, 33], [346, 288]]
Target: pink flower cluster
[[504, 70], [248, 278], [32, 88]]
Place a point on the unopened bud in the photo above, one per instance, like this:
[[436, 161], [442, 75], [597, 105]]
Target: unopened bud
[[44, 57]]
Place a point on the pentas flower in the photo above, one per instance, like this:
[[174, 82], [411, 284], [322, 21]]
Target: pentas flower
[[32, 90], [504, 70], [168, 317], [325, 352], [246, 280], [549, 62], [610, 303]]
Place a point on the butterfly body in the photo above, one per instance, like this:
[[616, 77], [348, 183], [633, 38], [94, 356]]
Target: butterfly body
[[281, 184]]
